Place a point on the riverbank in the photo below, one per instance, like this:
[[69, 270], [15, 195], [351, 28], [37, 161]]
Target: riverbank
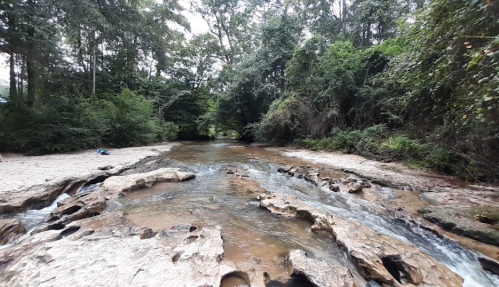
[[35, 181], [463, 211]]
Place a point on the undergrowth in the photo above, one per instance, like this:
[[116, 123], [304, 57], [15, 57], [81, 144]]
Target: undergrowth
[[380, 143]]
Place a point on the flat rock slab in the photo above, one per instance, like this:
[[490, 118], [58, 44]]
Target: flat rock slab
[[457, 220], [119, 257], [319, 272], [378, 257], [116, 185]]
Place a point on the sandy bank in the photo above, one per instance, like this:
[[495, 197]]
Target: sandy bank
[[19, 172]]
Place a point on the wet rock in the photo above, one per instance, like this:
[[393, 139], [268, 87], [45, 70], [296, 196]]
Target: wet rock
[[236, 171], [319, 272], [356, 187], [457, 221], [37, 197], [116, 256], [10, 229], [312, 177], [489, 264], [284, 169], [377, 256], [334, 185], [80, 206], [116, 185]]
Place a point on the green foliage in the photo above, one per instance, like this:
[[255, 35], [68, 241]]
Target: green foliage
[[60, 124], [129, 119], [57, 125], [167, 131]]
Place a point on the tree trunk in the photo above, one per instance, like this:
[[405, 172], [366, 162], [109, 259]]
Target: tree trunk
[[93, 68], [20, 94], [30, 63], [13, 88]]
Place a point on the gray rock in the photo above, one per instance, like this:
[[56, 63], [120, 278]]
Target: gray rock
[[116, 185], [10, 229], [117, 256], [312, 177], [457, 221], [378, 257], [319, 272]]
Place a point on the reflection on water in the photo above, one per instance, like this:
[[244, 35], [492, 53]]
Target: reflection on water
[[257, 241]]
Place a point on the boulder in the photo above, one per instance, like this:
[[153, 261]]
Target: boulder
[[334, 186], [378, 257], [10, 229], [319, 272], [356, 187], [116, 185]]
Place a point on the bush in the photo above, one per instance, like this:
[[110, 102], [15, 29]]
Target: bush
[[167, 131], [130, 119], [402, 147], [62, 123], [57, 124]]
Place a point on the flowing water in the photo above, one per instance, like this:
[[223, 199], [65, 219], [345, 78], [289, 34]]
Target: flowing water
[[257, 241], [254, 239]]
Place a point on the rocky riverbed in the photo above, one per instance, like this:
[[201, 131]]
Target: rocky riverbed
[[153, 216]]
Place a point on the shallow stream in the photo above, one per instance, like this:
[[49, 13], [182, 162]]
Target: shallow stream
[[255, 240]]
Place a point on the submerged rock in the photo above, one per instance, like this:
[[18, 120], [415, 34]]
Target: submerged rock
[[10, 229], [378, 257], [318, 272], [116, 185]]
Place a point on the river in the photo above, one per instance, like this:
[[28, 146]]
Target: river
[[254, 239]]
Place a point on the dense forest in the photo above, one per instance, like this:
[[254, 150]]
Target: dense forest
[[409, 80]]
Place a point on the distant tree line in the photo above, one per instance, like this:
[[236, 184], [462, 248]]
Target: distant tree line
[[409, 80]]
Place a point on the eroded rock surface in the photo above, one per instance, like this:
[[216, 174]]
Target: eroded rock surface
[[458, 221], [377, 256], [74, 208], [10, 229], [319, 272], [351, 184], [117, 256], [116, 185]]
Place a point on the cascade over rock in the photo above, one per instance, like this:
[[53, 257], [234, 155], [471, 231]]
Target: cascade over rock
[[377, 256]]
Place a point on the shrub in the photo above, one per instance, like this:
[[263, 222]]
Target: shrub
[[57, 124], [167, 131], [130, 120]]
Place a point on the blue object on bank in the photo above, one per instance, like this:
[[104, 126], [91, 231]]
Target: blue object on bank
[[103, 152]]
